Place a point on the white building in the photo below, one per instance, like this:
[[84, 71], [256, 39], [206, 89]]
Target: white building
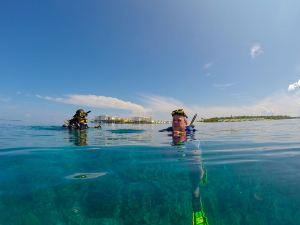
[[142, 119], [101, 118]]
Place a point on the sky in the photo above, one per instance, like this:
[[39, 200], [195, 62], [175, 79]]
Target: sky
[[146, 58]]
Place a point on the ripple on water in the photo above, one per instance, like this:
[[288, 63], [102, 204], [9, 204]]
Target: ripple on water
[[126, 131]]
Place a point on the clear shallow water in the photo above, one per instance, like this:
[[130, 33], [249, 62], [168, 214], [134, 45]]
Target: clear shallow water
[[236, 173]]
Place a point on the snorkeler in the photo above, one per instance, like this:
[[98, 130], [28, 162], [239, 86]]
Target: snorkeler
[[180, 123], [79, 121]]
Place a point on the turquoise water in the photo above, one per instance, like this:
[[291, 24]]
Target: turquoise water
[[234, 173]]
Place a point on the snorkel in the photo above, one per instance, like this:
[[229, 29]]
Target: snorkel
[[193, 120]]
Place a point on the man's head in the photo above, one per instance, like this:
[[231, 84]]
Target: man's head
[[82, 113], [179, 122]]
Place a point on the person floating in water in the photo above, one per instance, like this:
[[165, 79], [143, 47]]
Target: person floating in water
[[79, 120], [198, 174], [180, 123]]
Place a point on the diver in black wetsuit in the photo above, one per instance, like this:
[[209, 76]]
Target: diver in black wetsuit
[[79, 120]]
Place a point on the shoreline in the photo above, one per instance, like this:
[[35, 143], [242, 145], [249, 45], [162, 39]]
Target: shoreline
[[245, 118]]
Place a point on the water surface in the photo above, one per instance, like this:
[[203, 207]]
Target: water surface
[[234, 173]]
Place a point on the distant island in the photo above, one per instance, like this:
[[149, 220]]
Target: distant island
[[125, 120], [244, 118]]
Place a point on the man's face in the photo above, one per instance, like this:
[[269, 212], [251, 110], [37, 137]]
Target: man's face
[[179, 123]]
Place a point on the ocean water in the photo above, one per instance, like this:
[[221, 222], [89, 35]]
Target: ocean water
[[231, 173]]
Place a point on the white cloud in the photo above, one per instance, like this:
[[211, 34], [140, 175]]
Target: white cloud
[[208, 65], [256, 50], [223, 86], [294, 86], [276, 104], [206, 68], [162, 104], [98, 102], [280, 103]]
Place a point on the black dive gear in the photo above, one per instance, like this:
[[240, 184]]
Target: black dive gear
[[79, 120]]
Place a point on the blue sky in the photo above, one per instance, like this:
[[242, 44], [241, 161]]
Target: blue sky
[[148, 57]]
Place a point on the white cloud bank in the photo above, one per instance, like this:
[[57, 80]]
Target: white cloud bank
[[294, 86], [159, 104], [256, 50], [277, 104], [98, 102], [281, 103]]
